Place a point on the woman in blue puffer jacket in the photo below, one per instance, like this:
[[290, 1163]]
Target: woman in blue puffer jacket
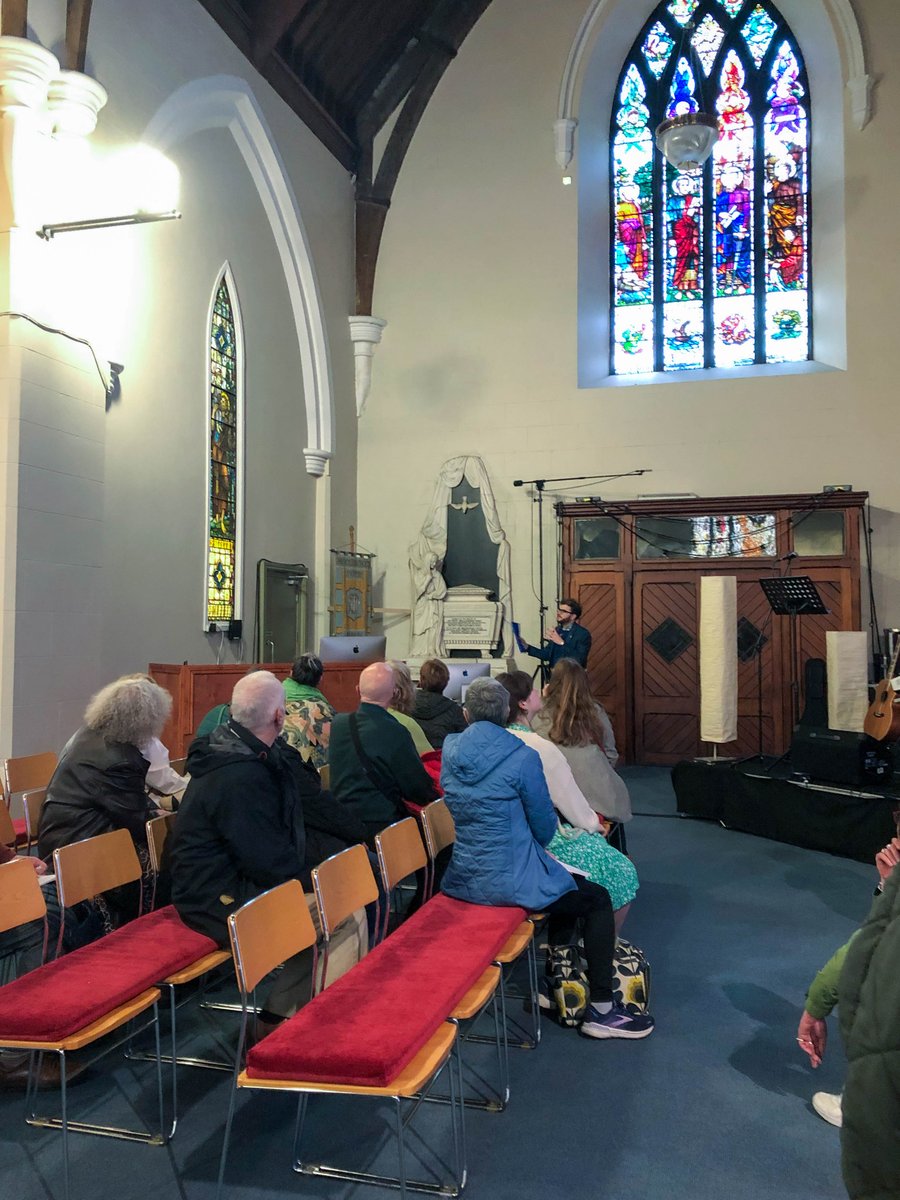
[[495, 789]]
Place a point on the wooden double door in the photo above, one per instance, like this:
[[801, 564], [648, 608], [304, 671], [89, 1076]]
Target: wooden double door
[[644, 664]]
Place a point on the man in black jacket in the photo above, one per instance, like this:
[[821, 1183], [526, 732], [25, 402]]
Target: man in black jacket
[[373, 761], [241, 828]]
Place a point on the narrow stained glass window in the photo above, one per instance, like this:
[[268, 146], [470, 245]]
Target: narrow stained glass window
[[712, 269], [222, 534]]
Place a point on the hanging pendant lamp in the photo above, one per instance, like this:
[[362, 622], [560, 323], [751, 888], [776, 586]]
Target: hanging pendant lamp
[[687, 140], [687, 137]]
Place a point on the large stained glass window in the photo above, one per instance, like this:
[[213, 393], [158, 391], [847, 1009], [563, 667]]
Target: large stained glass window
[[711, 269], [224, 462]]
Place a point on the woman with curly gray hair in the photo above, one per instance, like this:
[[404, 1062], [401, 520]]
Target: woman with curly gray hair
[[99, 783]]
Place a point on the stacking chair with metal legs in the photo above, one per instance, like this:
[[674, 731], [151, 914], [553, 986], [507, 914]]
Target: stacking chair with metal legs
[[23, 774], [297, 1057], [439, 833], [68, 1005], [343, 884], [400, 854], [32, 803], [158, 830], [89, 868]]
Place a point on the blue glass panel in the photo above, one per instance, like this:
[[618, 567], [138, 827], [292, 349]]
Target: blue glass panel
[[758, 33], [681, 94], [657, 47]]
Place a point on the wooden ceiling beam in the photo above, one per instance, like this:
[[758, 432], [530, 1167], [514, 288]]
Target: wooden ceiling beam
[[271, 20], [231, 18], [373, 201], [78, 18], [395, 86], [14, 18]]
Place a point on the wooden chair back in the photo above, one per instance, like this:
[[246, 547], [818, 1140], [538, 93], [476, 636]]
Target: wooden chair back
[[343, 883], [401, 852], [438, 827], [325, 776], [7, 829], [269, 930], [158, 830], [32, 803], [21, 897], [88, 868], [28, 771]]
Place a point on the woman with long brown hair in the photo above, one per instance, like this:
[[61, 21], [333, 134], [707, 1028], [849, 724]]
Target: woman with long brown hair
[[578, 843], [573, 721]]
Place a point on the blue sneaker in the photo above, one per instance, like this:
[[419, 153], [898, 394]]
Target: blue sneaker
[[617, 1023]]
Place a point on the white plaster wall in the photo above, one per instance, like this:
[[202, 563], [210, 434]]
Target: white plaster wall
[[477, 278], [142, 296]]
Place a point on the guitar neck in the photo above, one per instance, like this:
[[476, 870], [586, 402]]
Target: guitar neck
[[892, 670]]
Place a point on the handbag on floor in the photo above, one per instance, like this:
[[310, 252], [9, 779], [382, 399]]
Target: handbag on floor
[[568, 984], [631, 977]]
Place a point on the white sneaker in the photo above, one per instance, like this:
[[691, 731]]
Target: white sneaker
[[828, 1107]]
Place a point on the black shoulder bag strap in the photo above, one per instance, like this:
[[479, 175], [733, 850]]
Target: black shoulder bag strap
[[370, 771]]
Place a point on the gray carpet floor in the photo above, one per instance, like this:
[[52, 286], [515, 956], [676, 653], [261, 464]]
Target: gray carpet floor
[[716, 1104]]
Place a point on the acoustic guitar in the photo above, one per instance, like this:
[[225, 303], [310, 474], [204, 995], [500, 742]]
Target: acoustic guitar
[[883, 718]]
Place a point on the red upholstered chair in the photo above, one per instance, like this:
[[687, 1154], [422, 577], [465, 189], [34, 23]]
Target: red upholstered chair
[[68, 1005], [23, 774], [400, 854], [299, 1056], [95, 865], [439, 833]]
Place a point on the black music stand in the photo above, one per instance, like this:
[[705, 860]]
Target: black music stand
[[793, 596]]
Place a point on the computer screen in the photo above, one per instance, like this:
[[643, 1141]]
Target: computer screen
[[461, 675], [353, 648]]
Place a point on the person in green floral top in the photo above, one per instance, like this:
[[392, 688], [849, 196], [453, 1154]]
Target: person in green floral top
[[308, 715]]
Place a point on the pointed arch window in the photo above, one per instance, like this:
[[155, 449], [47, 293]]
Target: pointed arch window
[[712, 269], [225, 458]]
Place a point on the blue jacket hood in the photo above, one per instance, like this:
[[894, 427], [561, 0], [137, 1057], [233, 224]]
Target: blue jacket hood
[[477, 751]]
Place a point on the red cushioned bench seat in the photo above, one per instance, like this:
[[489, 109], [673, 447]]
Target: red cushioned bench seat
[[63, 997], [368, 1025]]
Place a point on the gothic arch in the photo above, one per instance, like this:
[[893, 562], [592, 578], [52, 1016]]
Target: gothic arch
[[846, 31], [226, 102]]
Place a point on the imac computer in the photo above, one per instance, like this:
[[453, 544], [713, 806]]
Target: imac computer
[[365, 648], [461, 675]]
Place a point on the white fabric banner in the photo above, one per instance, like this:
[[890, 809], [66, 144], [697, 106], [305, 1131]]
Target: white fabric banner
[[848, 679], [718, 658]]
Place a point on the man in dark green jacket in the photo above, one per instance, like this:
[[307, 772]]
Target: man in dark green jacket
[[373, 763], [869, 1007]]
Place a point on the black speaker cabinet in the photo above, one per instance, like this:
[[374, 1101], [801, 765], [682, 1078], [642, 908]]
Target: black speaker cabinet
[[839, 757]]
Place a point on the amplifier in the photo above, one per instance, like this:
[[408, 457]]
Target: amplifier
[[838, 756]]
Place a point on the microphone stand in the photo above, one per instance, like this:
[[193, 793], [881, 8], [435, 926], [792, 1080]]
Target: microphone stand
[[539, 485]]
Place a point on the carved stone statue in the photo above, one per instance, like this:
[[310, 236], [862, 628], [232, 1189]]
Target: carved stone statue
[[426, 557]]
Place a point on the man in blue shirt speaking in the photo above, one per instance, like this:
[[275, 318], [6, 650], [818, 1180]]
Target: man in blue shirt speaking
[[567, 640]]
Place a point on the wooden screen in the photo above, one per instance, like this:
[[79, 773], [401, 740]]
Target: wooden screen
[[642, 612]]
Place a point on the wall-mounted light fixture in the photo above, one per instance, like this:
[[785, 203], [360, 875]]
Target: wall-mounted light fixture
[[139, 183], [141, 218]]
